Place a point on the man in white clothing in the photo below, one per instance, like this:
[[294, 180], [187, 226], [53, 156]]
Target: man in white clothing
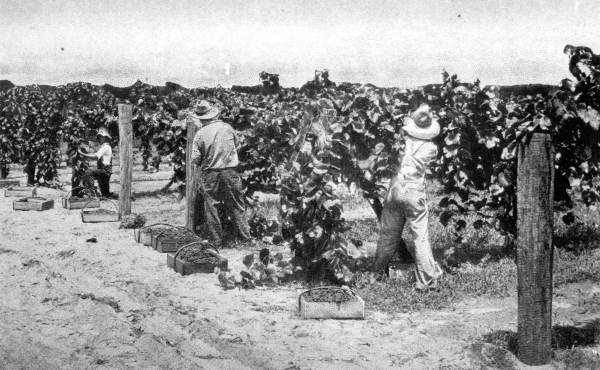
[[103, 168], [405, 202]]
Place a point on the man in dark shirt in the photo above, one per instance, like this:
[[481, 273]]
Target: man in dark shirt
[[214, 151]]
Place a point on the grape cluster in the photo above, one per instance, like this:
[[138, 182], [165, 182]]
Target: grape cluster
[[197, 255], [331, 294]]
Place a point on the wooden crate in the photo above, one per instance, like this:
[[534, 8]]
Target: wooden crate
[[186, 268], [33, 204], [165, 245], [5, 183], [99, 215], [144, 235], [351, 309], [168, 238], [79, 203], [20, 191]]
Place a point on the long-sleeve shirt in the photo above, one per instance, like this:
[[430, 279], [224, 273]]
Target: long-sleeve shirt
[[418, 154], [216, 146]]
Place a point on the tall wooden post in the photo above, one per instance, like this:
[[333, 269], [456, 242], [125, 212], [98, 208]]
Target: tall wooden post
[[191, 197], [125, 157], [535, 188]]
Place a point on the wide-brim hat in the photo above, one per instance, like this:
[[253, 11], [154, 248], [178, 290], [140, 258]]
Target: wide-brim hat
[[421, 124], [204, 110], [102, 131]]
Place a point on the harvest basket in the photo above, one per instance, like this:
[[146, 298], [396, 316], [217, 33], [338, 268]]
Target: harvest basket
[[327, 306], [20, 191], [100, 214], [90, 199], [144, 234], [5, 183], [170, 240], [33, 204], [183, 267]]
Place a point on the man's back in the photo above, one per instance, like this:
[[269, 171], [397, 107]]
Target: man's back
[[216, 145]]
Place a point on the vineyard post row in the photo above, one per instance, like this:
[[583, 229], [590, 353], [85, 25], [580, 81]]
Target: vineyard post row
[[535, 184], [125, 157]]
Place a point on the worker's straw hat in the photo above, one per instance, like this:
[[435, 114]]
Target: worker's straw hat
[[421, 124], [205, 111], [102, 131]]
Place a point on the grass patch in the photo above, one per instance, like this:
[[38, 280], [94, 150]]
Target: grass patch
[[399, 296], [574, 267], [497, 279]]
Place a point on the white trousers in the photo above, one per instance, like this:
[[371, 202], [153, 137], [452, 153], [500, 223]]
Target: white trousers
[[405, 205]]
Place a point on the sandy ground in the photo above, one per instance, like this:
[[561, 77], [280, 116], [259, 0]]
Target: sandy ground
[[70, 304]]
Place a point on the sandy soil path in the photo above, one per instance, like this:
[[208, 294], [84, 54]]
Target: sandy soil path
[[67, 303]]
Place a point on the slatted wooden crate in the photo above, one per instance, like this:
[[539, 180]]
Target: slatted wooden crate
[[20, 191], [170, 240], [173, 244], [79, 203], [100, 214], [87, 199], [5, 183], [353, 308], [33, 204]]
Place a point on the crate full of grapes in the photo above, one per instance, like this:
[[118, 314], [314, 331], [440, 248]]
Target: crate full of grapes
[[170, 240], [330, 302], [197, 257], [144, 234]]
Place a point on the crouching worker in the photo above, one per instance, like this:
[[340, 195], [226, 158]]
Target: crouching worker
[[103, 168], [405, 202], [214, 155]]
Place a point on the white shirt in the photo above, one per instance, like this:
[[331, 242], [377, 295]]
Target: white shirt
[[418, 154], [105, 153]]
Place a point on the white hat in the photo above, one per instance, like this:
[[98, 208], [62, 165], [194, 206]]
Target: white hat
[[102, 131], [421, 124], [204, 110]]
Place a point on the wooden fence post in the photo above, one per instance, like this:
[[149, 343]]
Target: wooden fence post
[[125, 157], [191, 197], [535, 194]]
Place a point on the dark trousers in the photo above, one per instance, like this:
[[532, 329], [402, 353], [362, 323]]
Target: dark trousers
[[224, 186], [29, 169], [103, 178]]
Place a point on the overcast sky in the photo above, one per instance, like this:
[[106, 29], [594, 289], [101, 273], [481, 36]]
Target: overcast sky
[[204, 43]]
